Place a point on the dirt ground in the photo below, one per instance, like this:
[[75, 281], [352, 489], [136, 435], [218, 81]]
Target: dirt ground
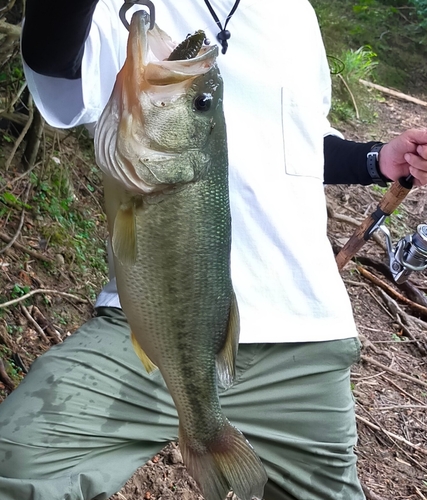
[[389, 385]]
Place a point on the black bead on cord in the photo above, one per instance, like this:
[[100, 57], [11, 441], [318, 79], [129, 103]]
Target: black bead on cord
[[224, 35]]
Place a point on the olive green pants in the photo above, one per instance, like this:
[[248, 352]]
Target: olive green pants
[[87, 416]]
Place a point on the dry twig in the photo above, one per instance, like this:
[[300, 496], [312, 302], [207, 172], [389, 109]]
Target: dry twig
[[410, 290], [402, 407], [21, 135], [370, 495], [10, 30], [392, 435], [31, 253], [353, 100], [393, 93], [36, 326], [21, 222], [4, 377], [45, 324], [33, 137], [391, 291], [405, 321], [367, 343], [17, 97], [402, 390], [391, 370], [420, 494], [45, 291], [22, 119]]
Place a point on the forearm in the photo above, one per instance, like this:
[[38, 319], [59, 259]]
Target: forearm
[[54, 34], [346, 161]]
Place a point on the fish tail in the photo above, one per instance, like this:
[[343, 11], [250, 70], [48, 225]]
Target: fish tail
[[227, 463]]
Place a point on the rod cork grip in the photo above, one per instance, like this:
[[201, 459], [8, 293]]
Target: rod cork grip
[[387, 205], [395, 195]]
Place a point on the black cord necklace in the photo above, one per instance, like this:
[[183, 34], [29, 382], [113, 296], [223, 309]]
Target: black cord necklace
[[224, 35]]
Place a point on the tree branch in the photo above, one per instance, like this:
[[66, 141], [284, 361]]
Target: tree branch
[[10, 30]]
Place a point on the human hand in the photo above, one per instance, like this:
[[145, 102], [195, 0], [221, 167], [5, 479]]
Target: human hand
[[406, 154]]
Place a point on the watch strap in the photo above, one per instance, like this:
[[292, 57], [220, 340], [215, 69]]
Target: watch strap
[[372, 165]]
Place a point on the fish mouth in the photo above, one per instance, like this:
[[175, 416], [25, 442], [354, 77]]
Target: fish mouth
[[148, 71], [150, 50]]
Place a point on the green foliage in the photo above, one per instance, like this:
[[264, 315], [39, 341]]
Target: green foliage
[[19, 291], [14, 329], [351, 99], [381, 190], [14, 372], [7, 138], [395, 30], [421, 10], [11, 81], [9, 198], [359, 63], [66, 223], [13, 72]]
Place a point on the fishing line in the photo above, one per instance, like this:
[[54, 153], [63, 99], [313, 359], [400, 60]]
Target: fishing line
[[224, 35]]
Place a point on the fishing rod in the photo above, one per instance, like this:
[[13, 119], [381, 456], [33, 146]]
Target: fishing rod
[[409, 254]]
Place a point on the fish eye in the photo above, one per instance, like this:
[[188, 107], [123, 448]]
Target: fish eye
[[203, 102]]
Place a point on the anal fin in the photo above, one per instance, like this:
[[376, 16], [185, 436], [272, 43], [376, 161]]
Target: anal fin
[[226, 358]]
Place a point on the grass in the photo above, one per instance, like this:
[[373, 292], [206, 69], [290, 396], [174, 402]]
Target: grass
[[66, 223], [14, 372], [350, 98], [384, 41], [58, 211]]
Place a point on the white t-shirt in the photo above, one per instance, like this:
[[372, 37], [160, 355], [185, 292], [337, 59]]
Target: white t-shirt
[[276, 100]]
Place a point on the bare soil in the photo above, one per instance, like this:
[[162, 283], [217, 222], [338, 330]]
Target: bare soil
[[389, 385]]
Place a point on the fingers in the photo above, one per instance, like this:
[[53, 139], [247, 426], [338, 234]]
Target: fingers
[[422, 151], [416, 136], [406, 154], [418, 165]]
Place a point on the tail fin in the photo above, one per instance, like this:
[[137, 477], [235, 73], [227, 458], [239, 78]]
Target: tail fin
[[228, 463]]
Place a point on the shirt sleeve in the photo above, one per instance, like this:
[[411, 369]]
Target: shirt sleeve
[[76, 92], [54, 34], [345, 161]]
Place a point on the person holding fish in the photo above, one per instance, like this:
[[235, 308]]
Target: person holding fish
[[214, 163]]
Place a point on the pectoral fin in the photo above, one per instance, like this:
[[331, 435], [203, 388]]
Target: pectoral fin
[[124, 234], [146, 361], [226, 358]]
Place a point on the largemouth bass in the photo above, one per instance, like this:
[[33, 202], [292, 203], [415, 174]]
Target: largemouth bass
[[161, 143]]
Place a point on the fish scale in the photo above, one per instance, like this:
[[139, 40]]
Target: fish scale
[[161, 143]]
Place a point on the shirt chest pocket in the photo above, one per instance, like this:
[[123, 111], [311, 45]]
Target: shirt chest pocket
[[303, 126]]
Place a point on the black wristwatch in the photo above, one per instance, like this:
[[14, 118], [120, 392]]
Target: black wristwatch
[[372, 164]]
